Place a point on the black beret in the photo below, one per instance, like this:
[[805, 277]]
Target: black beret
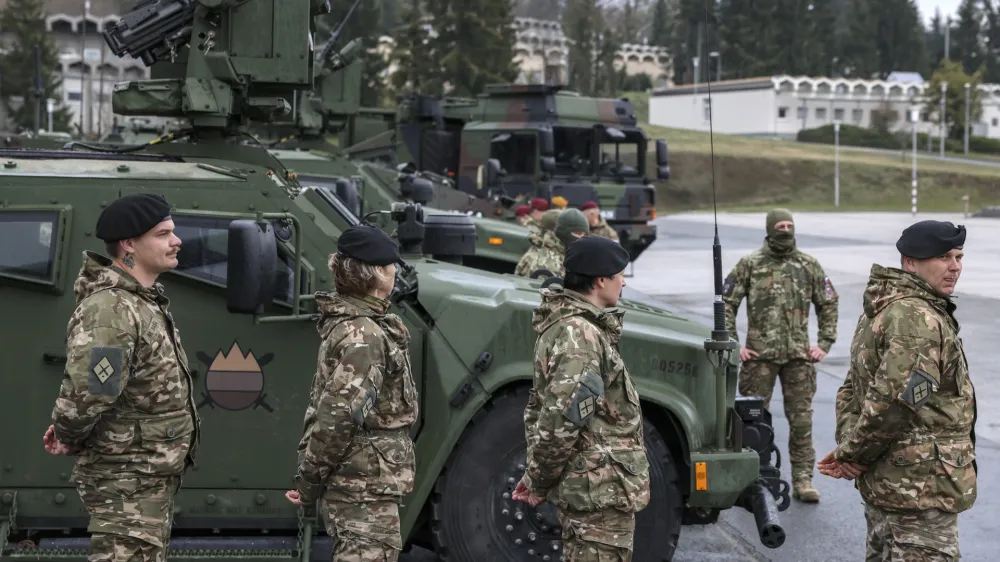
[[595, 256], [131, 216], [929, 239], [368, 244]]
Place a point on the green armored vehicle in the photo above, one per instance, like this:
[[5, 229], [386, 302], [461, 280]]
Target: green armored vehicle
[[255, 247], [550, 142]]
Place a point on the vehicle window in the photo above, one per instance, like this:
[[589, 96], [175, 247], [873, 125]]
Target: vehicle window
[[619, 153], [515, 151], [204, 255], [572, 146], [29, 248]]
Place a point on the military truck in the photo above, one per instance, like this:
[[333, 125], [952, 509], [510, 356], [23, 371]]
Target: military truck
[[550, 142], [255, 245]]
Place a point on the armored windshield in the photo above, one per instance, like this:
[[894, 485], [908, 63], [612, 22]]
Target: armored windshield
[[606, 151]]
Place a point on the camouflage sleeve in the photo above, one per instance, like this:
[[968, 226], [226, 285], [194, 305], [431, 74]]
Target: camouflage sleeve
[[908, 373], [570, 368], [734, 290], [354, 367], [100, 341], [826, 300], [847, 407], [523, 264]]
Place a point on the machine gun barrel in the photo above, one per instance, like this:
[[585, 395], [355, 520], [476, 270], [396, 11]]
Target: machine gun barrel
[[758, 500], [153, 30]]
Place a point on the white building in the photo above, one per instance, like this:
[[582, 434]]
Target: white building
[[781, 106]]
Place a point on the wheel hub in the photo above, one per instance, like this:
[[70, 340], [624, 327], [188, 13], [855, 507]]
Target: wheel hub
[[526, 532]]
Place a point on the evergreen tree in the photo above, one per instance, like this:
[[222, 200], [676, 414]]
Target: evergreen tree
[[935, 40], [25, 21], [991, 36], [413, 54], [476, 40], [365, 24], [965, 37], [951, 73], [582, 25], [749, 38], [661, 31]]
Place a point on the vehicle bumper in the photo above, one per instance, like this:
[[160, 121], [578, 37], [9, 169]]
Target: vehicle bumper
[[726, 475], [635, 238]]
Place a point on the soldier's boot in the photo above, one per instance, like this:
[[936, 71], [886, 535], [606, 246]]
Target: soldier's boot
[[803, 490]]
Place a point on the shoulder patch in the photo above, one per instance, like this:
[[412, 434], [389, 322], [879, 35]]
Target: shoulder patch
[[918, 389], [584, 403], [105, 371], [828, 287], [728, 287], [364, 404]]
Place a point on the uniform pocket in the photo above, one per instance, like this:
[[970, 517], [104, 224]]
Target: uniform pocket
[[166, 442], [354, 472], [112, 437], [632, 468], [574, 490], [956, 478], [396, 464], [932, 535]]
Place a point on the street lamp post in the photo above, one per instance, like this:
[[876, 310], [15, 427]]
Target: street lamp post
[[718, 67], [943, 119], [914, 115], [836, 164], [966, 118]]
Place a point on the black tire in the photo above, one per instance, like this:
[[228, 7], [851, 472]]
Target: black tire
[[473, 517]]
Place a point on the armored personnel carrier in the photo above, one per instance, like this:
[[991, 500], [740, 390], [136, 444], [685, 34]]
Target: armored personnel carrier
[[255, 247]]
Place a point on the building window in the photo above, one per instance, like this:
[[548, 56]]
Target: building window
[[821, 113], [74, 96], [800, 112], [857, 115], [838, 114], [782, 112], [995, 122], [33, 257]]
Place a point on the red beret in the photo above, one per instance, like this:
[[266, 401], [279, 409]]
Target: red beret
[[539, 204], [522, 210], [588, 205]]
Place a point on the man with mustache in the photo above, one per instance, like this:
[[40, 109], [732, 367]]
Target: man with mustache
[[906, 412], [125, 407], [779, 282]]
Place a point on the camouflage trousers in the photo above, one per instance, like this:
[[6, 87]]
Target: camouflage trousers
[[798, 386], [130, 517], [597, 536], [364, 532], [911, 536]]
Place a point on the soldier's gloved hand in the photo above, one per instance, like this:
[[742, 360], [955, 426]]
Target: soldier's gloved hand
[[747, 354], [816, 354], [522, 493]]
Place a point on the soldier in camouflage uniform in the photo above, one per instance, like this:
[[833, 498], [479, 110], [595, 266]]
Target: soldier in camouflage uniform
[[779, 281], [570, 225], [522, 214], [125, 408], [583, 422], [544, 244], [362, 405], [906, 412], [538, 207], [598, 226]]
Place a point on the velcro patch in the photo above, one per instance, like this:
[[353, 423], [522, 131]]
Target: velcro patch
[[584, 404], [828, 287], [365, 404], [728, 287], [105, 371], [918, 389]]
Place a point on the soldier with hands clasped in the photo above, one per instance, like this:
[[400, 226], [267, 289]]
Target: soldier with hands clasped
[[125, 408], [583, 422], [356, 453], [779, 282], [906, 412]]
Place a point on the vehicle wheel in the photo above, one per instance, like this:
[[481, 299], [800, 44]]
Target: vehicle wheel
[[474, 518]]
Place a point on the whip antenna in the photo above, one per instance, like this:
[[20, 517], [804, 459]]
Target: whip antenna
[[719, 332]]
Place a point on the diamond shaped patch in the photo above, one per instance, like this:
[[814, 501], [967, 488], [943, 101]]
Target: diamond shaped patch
[[587, 407], [920, 392], [103, 370]]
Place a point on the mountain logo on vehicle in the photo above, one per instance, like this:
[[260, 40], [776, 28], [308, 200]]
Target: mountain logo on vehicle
[[235, 381]]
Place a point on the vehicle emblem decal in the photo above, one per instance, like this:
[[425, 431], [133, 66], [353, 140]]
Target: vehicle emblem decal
[[234, 381]]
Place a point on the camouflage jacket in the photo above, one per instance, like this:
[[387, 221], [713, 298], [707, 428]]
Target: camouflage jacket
[[907, 408], [532, 224], [548, 254], [363, 401], [605, 230], [126, 395], [583, 423], [778, 290]]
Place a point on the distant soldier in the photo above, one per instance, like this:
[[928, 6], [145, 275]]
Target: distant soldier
[[906, 412], [538, 207], [355, 452], [548, 257], [779, 281], [522, 213], [125, 408], [598, 226], [583, 422]]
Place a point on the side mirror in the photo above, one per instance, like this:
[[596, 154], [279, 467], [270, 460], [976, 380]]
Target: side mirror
[[347, 192], [418, 190], [548, 164], [493, 173], [252, 266], [662, 168]]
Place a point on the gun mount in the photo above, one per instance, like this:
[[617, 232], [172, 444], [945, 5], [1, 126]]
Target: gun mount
[[213, 62]]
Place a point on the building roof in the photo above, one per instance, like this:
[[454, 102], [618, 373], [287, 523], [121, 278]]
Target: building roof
[[745, 84], [911, 77]]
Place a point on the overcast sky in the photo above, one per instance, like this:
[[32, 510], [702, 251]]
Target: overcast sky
[[947, 7]]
